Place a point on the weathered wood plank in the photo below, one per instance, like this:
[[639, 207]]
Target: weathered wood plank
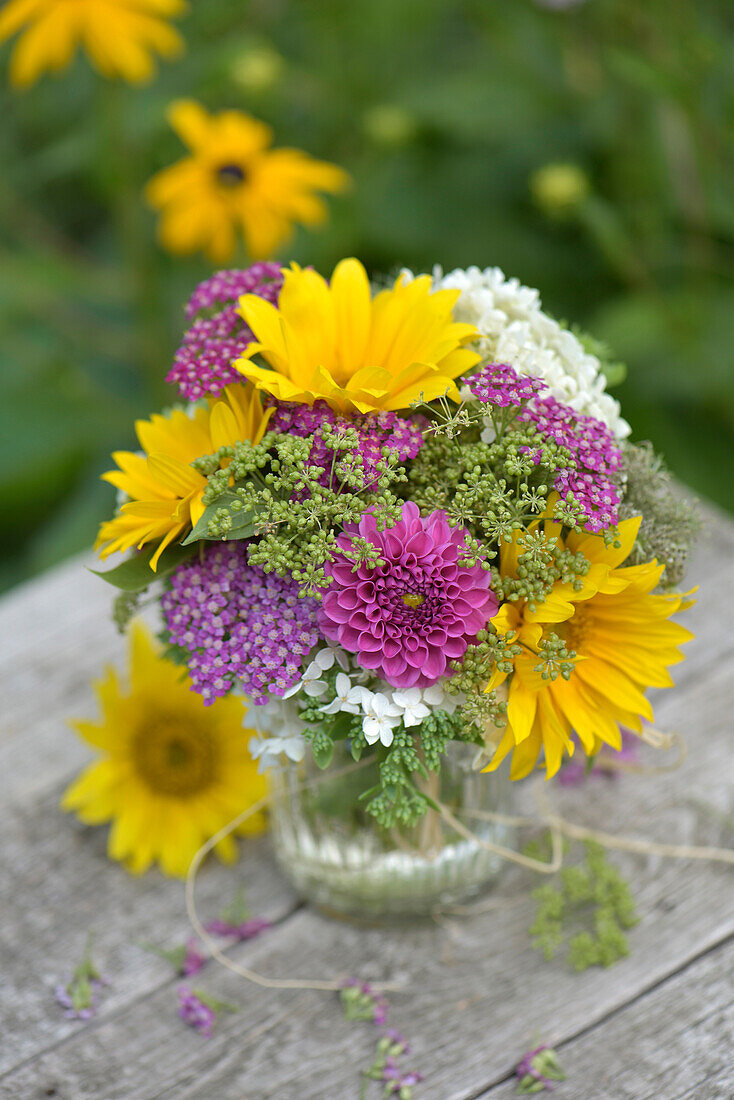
[[674, 1042], [65, 886], [472, 999]]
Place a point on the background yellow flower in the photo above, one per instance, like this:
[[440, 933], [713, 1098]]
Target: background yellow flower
[[120, 37], [336, 342], [232, 183], [171, 771]]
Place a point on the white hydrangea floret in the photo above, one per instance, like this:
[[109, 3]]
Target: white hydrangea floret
[[515, 330], [279, 732], [381, 716], [410, 701], [347, 698], [311, 683]]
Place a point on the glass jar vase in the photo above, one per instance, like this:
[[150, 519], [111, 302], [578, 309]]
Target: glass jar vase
[[342, 861]]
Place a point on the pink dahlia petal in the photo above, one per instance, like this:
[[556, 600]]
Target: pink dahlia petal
[[407, 618]]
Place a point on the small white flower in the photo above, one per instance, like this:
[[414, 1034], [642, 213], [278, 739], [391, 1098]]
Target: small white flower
[[381, 716], [347, 698], [434, 695], [314, 688], [268, 750], [322, 662], [410, 702], [340, 655], [311, 683]]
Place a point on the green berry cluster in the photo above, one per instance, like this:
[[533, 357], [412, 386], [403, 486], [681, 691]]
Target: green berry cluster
[[279, 492]]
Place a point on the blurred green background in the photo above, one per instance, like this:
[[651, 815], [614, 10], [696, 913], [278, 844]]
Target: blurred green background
[[442, 111]]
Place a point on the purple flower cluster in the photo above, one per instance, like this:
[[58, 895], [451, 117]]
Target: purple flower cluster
[[589, 441], [384, 429], [574, 771], [193, 960], [361, 1002], [218, 335], [238, 624], [499, 384], [80, 1002], [593, 448], [195, 1013], [538, 1070], [396, 1081], [245, 930]]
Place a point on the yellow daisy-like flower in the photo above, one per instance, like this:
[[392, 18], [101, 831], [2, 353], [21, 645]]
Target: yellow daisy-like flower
[[624, 641], [234, 182], [165, 491], [171, 771], [336, 342], [121, 37]]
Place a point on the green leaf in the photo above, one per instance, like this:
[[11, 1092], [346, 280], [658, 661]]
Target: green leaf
[[243, 520], [135, 574]]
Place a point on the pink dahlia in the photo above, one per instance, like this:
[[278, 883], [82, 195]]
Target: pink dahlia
[[408, 618]]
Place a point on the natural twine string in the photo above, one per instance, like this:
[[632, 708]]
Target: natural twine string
[[558, 826], [214, 950]]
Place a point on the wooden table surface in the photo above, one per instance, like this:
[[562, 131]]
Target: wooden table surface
[[475, 997]]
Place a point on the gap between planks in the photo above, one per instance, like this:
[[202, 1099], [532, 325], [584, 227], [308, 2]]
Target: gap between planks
[[489, 1090]]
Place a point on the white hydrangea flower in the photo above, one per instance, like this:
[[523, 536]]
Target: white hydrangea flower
[[381, 716], [347, 698], [515, 330]]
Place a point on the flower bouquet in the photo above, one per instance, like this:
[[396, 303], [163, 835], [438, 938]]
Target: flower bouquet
[[405, 523]]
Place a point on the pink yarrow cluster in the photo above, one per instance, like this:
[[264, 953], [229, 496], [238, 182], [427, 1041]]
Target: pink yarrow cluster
[[595, 452], [500, 385], [238, 623], [383, 429], [218, 335], [589, 441], [409, 617]]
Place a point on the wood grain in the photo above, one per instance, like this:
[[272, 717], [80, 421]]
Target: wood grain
[[675, 1042]]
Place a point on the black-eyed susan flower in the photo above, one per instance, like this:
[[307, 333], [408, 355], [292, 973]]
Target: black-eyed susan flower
[[171, 772], [234, 182], [163, 490], [334, 341], [120, 37], [624, 640]]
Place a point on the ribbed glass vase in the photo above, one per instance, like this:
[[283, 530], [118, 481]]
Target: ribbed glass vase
[[339, 859]]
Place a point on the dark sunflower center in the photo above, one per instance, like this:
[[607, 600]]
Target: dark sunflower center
[[230, 175], [174, 756]]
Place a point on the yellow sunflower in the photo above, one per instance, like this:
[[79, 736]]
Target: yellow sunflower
[[624, 641], [164, 490], [120, 37], [234, 182], [334, 341], [171, 771]]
